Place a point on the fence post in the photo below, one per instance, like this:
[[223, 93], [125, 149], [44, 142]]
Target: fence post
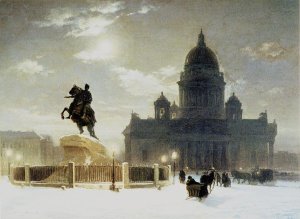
[[11, 173], [170, 174], [125, 175], [71, 177], [156, 174], [27, 175]]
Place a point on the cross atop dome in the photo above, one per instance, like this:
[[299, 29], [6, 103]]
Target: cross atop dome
[[201, 40]]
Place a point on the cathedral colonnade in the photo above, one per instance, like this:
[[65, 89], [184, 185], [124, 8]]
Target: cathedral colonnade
[[198, 155]]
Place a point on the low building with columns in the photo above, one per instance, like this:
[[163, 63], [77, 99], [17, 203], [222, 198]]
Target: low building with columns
[[203, 130]]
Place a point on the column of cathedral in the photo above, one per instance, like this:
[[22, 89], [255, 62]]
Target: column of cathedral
[[198, 155], [271, 153]]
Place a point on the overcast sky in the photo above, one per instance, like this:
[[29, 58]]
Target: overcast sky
[[130, 51]]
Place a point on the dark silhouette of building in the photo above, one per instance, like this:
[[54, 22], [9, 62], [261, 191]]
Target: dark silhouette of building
[[201, 129]]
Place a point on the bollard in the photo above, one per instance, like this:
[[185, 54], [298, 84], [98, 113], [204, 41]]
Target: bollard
[[156, 174], [71, 176], [27, 175], [125, 175]]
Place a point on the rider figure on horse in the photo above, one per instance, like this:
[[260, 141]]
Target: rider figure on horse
[[80, 110], [87, 100]]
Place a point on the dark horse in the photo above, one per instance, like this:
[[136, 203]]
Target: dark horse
[[76, 112], [208, 179], [262, 175], [239, 175]]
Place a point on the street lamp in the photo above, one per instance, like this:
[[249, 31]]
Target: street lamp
[[164, 159], [8, 153], [174, 156], [113, 180], [18, 158]]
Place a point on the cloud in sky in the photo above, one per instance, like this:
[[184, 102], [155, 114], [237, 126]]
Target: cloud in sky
[[90, 26], [31, 67], [58, 17], [270, 51], [275, 91], [103, 50], [108, 7], [144, 10], [90, 22], [166, 72], [235, 86], [138, 83]]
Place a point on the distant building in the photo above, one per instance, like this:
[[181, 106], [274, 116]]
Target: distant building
[[19, 148], [284, 160], [203, 130]]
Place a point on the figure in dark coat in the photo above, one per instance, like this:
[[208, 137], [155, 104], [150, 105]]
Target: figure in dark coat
[[86, 99], [191, 181], [181, 176]]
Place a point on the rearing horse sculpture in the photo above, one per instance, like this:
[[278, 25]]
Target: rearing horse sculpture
[[76, 112]]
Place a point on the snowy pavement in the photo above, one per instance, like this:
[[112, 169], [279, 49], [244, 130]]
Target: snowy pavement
[[239, 201]]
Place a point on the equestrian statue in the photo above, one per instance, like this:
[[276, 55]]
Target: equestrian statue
[[80, 110]]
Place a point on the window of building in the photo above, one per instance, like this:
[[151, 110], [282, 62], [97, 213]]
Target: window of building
[[144, 155], [161, 112], [173, 115]]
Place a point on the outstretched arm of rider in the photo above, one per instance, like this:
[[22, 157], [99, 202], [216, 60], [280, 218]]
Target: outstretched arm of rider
[[69, 97]]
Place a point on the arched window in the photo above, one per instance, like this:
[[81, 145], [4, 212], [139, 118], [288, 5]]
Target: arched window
[[161, 112]]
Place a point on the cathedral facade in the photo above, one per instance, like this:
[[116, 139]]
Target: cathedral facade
[[203, 130]]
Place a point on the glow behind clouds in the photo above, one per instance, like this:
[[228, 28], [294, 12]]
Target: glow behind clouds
[[130, 51]]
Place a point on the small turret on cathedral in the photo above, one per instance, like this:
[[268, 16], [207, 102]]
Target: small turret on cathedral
[[233, 108], [162, 108], [174, 110]]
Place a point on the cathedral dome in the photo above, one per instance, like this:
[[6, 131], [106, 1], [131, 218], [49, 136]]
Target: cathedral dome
[[202, 56]]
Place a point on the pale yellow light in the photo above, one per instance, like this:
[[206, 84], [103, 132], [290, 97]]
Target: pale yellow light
[[164, 159], [18, 157], [8, 152], [174, 155]]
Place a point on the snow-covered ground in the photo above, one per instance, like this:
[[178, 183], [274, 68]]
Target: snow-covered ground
[[240, 201]]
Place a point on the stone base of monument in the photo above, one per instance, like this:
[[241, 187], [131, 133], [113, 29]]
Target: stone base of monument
[[84, 150]]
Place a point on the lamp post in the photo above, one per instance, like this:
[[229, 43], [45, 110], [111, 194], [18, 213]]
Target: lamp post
[[8, 153], [174, 156], [113, 173]]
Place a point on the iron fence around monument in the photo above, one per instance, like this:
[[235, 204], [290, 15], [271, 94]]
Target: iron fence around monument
[[141, 174], [86, 174], [50, 174], [163, 173], [19, 173], [62, 175]]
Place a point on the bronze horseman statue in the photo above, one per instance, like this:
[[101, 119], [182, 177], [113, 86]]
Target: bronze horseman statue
[[80, 110]]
